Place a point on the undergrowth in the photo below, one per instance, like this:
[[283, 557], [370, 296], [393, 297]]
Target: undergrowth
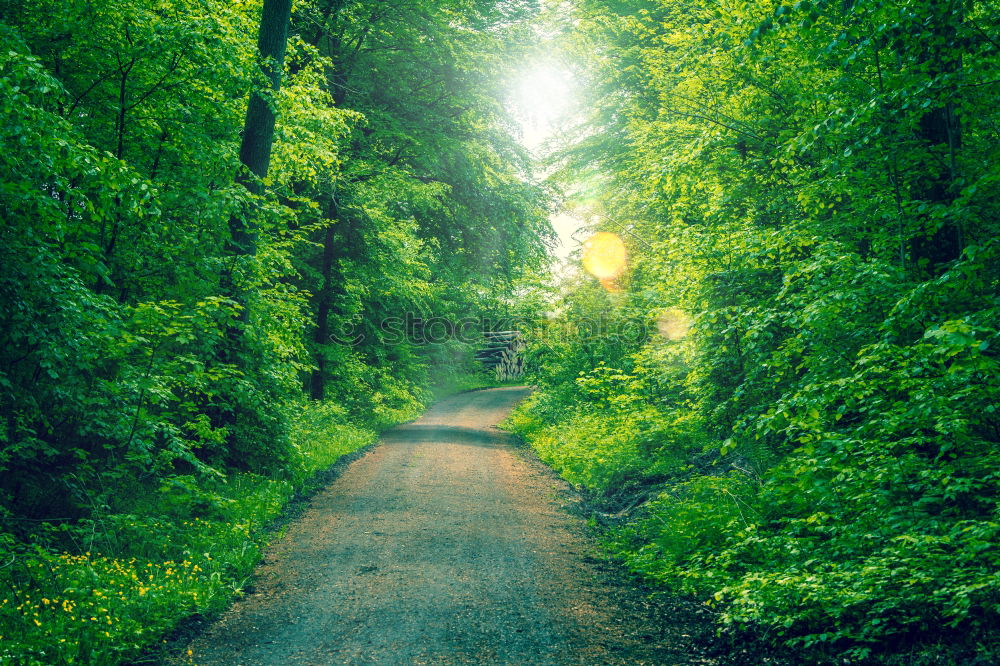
[[849, 521], [101, 590]]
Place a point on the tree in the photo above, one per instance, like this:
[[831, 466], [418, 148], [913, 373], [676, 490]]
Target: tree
[[258, 130], [433, 184]]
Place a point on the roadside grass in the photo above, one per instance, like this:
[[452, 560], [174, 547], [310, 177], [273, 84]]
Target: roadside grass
[[691, 523], [472, 381], [103, 590]]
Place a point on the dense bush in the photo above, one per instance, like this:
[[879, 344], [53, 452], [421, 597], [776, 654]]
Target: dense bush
[[854, 510], [807, 437]]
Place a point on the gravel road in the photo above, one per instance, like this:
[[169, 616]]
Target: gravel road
[[446, 544]]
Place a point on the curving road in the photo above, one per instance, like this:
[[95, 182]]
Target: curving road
[[445, 544]]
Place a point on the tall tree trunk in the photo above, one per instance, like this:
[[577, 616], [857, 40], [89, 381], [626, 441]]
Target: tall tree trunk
[[317, 384], [939, 130], [258, 131], [328, 36], [255, 154]]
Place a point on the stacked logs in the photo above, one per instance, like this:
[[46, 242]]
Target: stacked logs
[[502, 352]]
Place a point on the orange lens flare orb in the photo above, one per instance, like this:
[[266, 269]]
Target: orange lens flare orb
[[604, 257]]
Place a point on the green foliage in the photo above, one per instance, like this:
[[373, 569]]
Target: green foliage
[[151, 412], [323, 433], [681, 539], [814, 186], [430, 216], [103, 589], [606, 441]]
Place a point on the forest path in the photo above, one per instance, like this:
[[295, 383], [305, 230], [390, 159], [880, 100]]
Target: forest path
[[445, 544]]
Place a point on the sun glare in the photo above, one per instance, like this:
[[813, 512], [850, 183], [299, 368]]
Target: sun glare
[[542, 97]]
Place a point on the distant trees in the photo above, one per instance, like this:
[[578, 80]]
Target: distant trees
[[374, 175], [428, 173]]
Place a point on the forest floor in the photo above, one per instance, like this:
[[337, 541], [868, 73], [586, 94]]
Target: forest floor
[[446, 544]]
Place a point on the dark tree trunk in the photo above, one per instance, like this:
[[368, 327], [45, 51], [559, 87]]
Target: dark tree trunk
[[317, 384], [255, 154], [258, 131], [939, 130], [327, 34]]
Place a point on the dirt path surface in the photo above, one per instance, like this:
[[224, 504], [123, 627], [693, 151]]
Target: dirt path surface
[[446, 544]]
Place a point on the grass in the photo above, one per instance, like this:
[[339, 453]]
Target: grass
[[468, 382], [127, 579]]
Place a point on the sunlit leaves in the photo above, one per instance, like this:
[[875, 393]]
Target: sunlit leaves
[[784, 174]]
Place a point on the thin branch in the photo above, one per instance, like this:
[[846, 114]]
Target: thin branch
[[76, 102], [156, 86]]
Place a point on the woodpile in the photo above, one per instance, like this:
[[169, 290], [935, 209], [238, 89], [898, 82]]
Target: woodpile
[[502, 352]]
